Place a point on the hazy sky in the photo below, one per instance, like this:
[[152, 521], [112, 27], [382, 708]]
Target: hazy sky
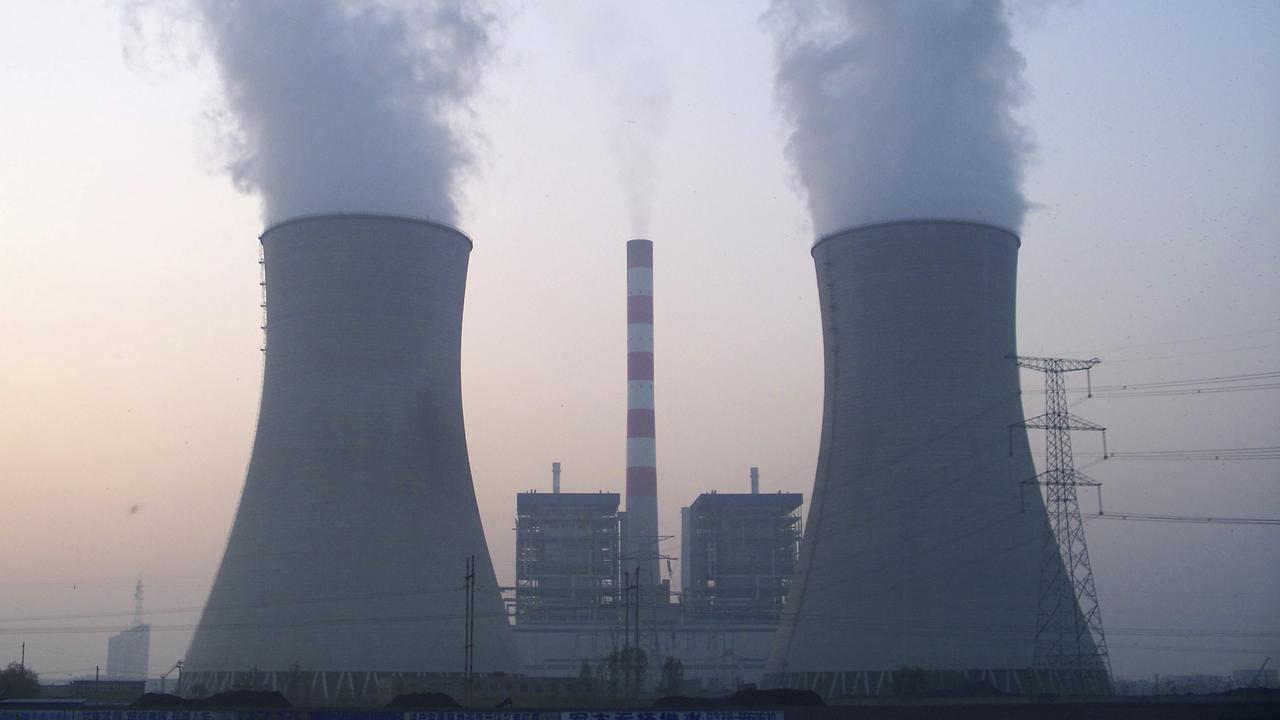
[[129, 340]]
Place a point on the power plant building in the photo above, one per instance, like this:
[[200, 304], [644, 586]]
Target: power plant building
[[344, 566], [922, 546], [563, 618], [738, 556], [567, 551], [129, 653]]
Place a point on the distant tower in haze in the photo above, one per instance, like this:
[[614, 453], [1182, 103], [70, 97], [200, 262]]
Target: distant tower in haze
[[346, 557], [917, 550], [129, 652], [640, 538]]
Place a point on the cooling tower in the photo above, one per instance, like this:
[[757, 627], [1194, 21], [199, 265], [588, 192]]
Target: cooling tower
[[922, 546], [640, 541], [346, 558]]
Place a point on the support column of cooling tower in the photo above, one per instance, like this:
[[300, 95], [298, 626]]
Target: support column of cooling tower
[[640, 549], [916, 549], [358, 504], [1069, 624]]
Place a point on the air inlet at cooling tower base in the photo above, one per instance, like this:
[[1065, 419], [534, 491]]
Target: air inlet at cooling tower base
[[922, 546], [345, 561]]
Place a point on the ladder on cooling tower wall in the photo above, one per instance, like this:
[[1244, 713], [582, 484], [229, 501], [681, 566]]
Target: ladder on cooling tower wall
[[262, 284]]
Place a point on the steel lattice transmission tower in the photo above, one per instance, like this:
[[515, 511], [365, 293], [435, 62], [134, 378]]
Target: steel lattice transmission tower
[[1069, 633]]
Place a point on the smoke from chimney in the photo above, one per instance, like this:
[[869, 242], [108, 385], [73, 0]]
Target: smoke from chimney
[[622, 58], [901, 110], [344, 106]]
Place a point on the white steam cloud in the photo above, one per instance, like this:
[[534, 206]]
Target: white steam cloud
[[642, 102], [348, 106], [901, 109], [619, 54]]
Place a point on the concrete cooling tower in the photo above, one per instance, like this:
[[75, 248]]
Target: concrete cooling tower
[[923, 548], [343, 573]]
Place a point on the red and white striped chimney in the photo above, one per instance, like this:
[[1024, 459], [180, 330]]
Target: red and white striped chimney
[[640, 547]]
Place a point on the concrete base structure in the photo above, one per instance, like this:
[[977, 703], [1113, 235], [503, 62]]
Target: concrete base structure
[[880, 683], [374, 689], [715, 656], [922, 546], [348, 549]]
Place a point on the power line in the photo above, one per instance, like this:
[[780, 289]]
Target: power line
[[1182, 342], [1182, 386], [1187, 391], [1265, 452], [1189, 519], [1194, 381], [241, 606], [319, 622], [1194, 354], [1254, 453]]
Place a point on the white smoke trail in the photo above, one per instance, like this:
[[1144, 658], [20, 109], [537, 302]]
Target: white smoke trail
[[618, 52], [642, 102], [348, 106], [901, 109]]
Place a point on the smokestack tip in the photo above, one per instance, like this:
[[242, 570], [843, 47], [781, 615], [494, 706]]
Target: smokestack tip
[[640, 253]]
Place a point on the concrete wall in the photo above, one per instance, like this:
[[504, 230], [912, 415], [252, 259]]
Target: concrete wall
[[348, 547], [715, 656]]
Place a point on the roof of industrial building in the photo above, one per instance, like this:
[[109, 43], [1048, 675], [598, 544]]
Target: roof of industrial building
[[599, 500], [781, 500]]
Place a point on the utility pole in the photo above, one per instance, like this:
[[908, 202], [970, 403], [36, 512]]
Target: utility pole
[[631, 649], [469, 644], [1069, 632], [636, 654], [639, 596]]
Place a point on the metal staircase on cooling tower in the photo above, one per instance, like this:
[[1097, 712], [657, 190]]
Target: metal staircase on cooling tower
[[1065, 638]]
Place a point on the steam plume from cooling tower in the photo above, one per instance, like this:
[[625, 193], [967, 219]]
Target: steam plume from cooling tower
[[348, 106], [901, 110]]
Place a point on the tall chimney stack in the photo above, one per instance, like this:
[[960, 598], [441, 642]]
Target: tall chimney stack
[[755, 481], [641, 538], [555, 478]]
